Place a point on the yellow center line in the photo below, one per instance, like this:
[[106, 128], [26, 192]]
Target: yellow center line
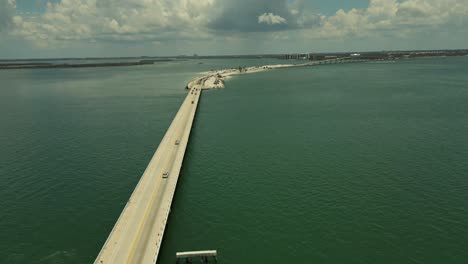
[[132, 251]]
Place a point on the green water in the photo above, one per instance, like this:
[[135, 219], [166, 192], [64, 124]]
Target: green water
[[358, 163]]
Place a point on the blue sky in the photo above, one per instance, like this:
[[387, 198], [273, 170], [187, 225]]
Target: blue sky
[[88, 28]]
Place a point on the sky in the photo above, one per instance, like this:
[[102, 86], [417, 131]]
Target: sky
[[114, 28]]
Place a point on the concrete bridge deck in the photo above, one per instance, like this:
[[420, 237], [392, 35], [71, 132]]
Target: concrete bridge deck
[[138, 233]]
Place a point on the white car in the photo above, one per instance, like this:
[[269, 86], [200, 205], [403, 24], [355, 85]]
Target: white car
[[166, 174]]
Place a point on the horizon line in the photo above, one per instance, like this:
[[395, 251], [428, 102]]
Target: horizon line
[[223, 55]]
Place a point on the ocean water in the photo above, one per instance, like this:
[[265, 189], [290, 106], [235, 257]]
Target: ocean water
[[352, 163]]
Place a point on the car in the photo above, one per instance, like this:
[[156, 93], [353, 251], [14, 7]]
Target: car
[[177, 142], [166, 174]]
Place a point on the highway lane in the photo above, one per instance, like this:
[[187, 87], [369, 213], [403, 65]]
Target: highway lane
[[137, 235]]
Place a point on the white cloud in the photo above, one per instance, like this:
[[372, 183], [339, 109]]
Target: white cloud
[[7, 9], [294, 12], [130, 20], [399, 18], [271, 19], [156, 21]]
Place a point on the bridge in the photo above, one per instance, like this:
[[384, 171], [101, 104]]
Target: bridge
[[138, 233], [333, 61]]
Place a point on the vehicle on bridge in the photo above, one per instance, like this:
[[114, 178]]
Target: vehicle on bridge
[[166, 174]]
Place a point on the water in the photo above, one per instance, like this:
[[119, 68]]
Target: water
[[361, 163]]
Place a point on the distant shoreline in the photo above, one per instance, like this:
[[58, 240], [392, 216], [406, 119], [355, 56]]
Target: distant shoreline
[[45, 65], [426, 52], [215, 79], [11, 64]]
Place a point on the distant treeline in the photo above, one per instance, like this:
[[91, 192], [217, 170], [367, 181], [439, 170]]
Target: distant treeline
[[376, 55], [47, 65], [145, 60]]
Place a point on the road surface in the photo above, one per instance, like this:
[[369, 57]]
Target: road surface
[[138, 233]]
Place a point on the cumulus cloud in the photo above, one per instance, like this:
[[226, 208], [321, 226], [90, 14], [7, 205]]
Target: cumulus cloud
[[271, 19], [398, 18], [245, 16], [7, 9], [159, 21], [130, 20]]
